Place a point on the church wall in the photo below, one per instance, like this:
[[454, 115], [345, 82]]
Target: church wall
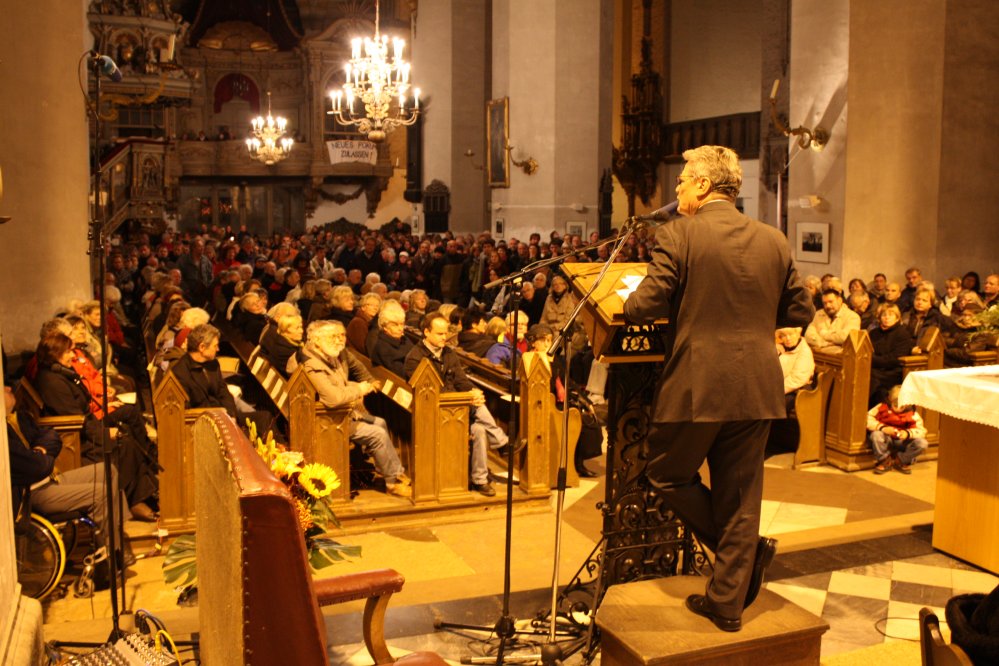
[[820, 39], [895, 93], [969, 170], [44, 154]]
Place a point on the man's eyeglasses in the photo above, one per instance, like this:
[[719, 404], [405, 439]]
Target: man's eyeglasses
[[680, 179]]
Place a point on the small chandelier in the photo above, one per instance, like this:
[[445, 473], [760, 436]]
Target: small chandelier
[[268, 143], [378, 82]]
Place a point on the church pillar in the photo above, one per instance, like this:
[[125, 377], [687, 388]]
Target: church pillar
[[43, 153], [450, 64], [554, 61]]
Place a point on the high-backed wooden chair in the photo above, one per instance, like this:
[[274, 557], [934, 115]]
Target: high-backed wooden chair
[[935, 651], [259, 603], [70, 428]]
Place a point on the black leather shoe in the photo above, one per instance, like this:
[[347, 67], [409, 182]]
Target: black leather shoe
[[584, 473], [698, 603], [766, 548]]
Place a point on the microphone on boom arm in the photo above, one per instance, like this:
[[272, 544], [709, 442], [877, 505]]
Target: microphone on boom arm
[[107, 66], [659, 215]]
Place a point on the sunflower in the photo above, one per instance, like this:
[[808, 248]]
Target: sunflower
[[318, 480]]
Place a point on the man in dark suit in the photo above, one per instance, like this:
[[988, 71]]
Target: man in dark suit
[[722, 381]]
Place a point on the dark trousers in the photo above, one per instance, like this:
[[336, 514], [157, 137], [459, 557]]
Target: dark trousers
[[725, 517]]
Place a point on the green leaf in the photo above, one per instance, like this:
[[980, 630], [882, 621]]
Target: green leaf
[[325, 552], [187, 570], [183, 547]]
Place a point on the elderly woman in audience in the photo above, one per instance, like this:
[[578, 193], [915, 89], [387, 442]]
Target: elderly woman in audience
[[64, 394], [341, 305], [282, 339], [364, 324], [860, 302], [797, 366], [172, 325], [923, 315], [891, 341], [952, 289], [252, 317], [813, 285], [418, 301], [391, 345], [559, 304]]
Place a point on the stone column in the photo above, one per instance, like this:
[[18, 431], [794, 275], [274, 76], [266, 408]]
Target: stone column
[[554, 61], [44, 156], [450, 64]]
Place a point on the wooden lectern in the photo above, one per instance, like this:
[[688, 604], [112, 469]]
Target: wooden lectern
[[641, 537], [614, 340]]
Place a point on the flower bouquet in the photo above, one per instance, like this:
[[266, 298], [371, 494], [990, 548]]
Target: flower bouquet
[[310, 485]]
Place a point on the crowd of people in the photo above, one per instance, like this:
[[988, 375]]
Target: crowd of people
[[318, 298]]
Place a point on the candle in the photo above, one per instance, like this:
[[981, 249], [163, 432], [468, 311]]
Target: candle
[[416, 98]]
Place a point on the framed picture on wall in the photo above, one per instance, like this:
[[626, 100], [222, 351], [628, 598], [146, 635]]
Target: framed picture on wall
[[498, 129], [498, 227], [576, 228], [812, 242]]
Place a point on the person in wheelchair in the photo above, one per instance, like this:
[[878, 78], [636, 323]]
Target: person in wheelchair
[[35, 485]]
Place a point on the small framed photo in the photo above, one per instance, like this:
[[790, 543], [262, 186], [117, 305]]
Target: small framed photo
[[576, 228], [498, 226], [812, 242]]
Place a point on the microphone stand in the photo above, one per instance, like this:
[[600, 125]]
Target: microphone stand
[[505, 627]]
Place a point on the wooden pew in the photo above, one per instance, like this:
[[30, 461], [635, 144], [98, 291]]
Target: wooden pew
[[321, 433], [538, 418], [846, 444], [270, 380], [175, 440], [70, 428], [810, 406], [248, 534]]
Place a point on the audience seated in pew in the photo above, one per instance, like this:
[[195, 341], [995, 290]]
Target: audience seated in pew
[[418, 302], [590, 444], [341, 305], [962, 334], [363, 323], [891, 341], [340, 379], [923, 314], [860, 302], [391, 346], [797, 366], [483, 429], [473, 338], [501, 351], [252, 316], [952, 289], [559, 304], [200, 376], [63, 392], [832, 323], [282, 339]]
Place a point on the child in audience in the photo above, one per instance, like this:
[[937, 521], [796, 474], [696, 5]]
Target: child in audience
[[897, 434]]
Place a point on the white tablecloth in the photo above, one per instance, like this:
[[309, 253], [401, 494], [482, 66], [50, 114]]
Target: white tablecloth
[[970, 394]]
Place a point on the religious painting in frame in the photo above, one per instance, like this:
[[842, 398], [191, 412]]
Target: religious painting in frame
[[498, 128], [812, 242]]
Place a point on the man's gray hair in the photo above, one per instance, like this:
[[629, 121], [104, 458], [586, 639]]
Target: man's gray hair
[[201, 335], [324, 329], [718, 164]]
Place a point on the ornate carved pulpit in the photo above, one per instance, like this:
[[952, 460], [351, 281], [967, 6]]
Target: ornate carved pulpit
[[641, 536]]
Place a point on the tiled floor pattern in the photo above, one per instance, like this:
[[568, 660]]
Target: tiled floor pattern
[[865, 589]]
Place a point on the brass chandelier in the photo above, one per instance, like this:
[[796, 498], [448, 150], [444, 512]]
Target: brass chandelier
[[268, 143], [377, 83]]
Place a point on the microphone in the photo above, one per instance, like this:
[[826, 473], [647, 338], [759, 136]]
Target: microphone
[[108, 68], [658, 215]]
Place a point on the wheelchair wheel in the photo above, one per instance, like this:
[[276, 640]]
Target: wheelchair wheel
[[41, 557]]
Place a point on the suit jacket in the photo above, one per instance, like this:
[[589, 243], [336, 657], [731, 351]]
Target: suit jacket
[[725, 282], [448, 367]]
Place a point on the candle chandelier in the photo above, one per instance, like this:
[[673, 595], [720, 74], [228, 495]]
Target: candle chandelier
[[375, 91], [268, 143]]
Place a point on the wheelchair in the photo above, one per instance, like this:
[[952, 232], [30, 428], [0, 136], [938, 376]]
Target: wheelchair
[[44, 547]]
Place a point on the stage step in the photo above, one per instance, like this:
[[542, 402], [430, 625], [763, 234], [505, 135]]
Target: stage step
[[646, 623]]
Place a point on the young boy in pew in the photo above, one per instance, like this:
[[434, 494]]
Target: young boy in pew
[[896, 434]]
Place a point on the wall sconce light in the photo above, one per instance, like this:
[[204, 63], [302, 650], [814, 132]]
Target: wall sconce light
[[529, 166], [469, 153], [816, 139]]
